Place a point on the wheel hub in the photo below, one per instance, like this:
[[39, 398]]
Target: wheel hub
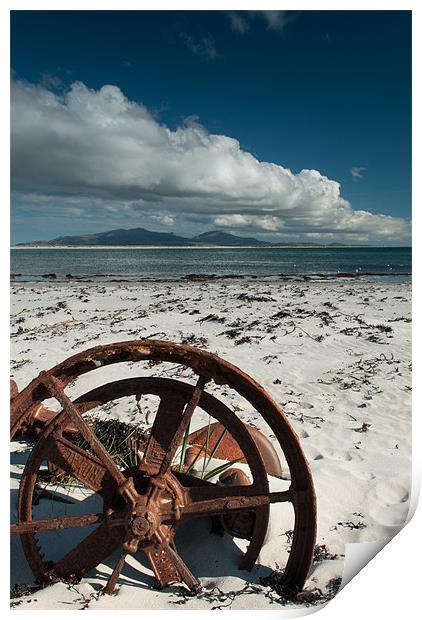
[[157, 507], [142, 525]]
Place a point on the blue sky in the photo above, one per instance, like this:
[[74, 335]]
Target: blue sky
[[198, 101]]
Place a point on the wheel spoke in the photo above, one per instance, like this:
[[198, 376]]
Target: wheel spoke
[[168, 566], [172, 419], [57, 523], [161, 563], [56, 390], [280, 496], [214, 500], [75, 461], [112, 580], [89, 552]]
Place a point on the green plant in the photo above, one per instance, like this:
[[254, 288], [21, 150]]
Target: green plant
[[120, 441], [205, 453]]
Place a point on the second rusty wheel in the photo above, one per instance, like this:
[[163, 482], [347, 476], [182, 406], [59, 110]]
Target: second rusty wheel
[[142, 506]]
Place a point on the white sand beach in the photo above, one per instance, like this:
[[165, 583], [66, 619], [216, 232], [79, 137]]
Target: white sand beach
[[335, 355]]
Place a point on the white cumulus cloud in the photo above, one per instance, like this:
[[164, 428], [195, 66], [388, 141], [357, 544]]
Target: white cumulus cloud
[[100, 151]]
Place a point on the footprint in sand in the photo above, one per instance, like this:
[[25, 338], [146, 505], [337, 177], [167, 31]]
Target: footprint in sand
[[392, 508], [390, 516], [304, 405], [313, 454], [389, 492], [335, 455]]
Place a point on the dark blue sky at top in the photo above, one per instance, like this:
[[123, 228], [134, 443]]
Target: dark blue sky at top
[[330, 91]]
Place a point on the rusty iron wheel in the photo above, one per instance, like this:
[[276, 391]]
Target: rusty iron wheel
[[142, 506]]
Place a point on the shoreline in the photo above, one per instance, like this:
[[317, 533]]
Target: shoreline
[[19, 278]]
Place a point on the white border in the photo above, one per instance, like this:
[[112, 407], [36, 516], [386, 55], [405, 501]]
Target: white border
[[388, 586]]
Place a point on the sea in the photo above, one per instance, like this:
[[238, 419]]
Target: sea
[[140, 264]]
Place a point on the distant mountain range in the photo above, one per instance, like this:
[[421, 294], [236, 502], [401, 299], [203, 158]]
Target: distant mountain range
[[142, 236], [218, 237]]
